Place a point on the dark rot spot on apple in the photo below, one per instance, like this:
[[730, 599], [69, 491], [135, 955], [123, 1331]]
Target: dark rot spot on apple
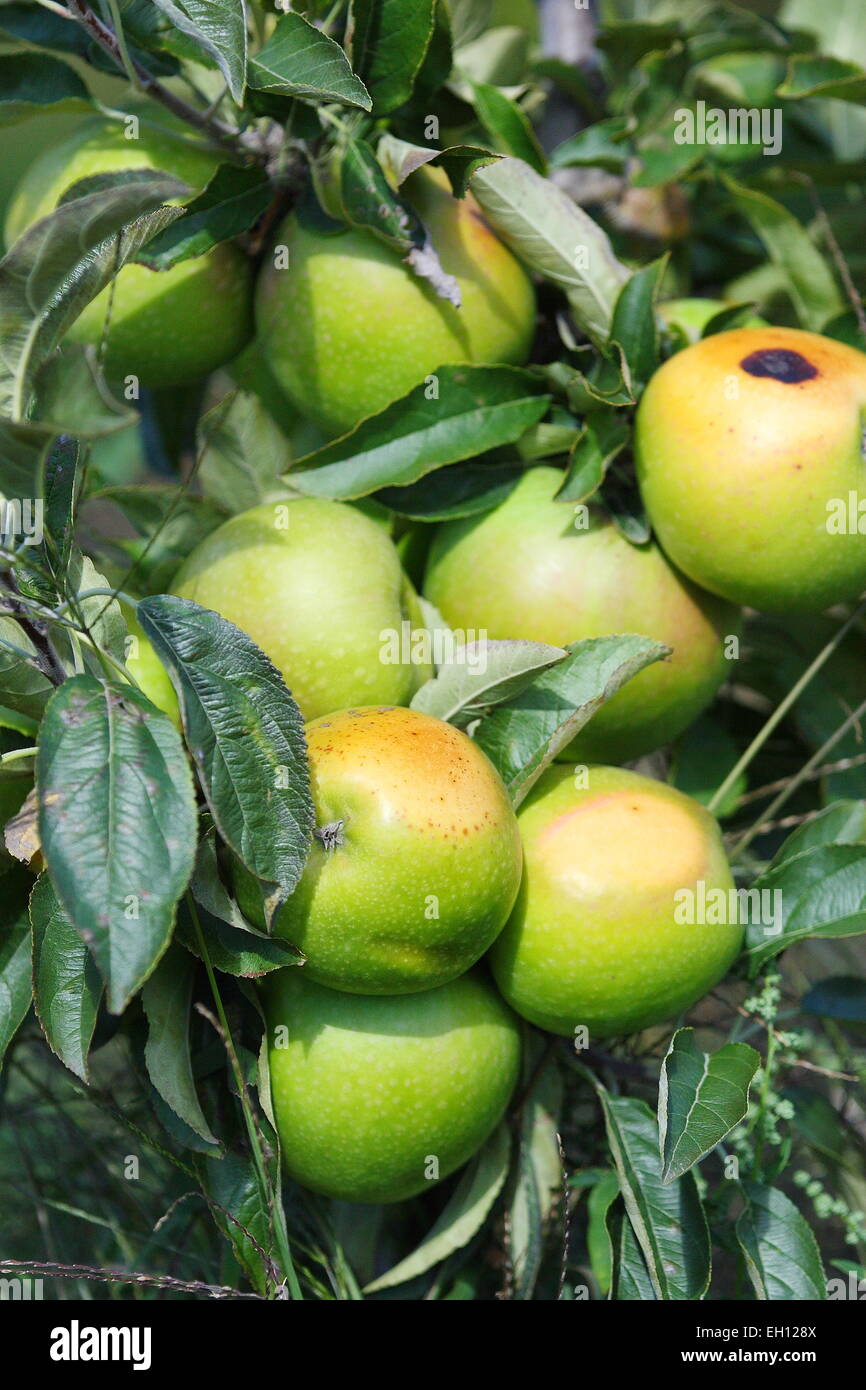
[[779, 363]]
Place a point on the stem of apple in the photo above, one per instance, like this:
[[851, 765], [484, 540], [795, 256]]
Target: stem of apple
[[782, 709]]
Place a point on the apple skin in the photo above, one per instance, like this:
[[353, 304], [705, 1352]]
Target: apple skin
[[167, 327], [315, 584], [370, 1088], [524, 571], [737, 469], [593, 940], [427, 827], [348, 327], [149, 674]]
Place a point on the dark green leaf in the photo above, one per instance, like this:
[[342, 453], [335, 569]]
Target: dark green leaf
[[220, 27], [231, 203], [389, 41], [242, 452], [245, 733], [464, 489], [167, 998], [16, 987], [820, 892], [841, 997], [702, 1096], [67, 988], [298, 60], [30, 82], [241, 1212], [507, 125], [475, 409], [117, 822], [781, 1253], [604, 436]]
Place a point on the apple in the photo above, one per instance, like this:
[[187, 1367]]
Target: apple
[[749, 449], [318, 586], [148, 672], [166, 327], [422, 862], [377, 1097], [347, 327], [527, 570], [612, 860]]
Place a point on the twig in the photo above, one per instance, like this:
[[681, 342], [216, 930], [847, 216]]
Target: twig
[[826, 770], [105, 37], [117, 1276]]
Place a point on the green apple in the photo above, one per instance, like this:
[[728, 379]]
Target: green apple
[[348, 327], [693, 315], [166, 327], [532, 569], [376, 1098], [318, 586], [422, 864], [749, 449], [600, 937], [148, 672]]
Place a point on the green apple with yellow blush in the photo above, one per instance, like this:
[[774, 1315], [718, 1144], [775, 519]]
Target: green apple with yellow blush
[[625, 916], [416, 862]]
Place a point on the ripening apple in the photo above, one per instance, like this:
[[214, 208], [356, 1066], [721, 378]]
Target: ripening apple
[[750, 457], [544, 571], [318, 586], [375, 1097], [601, 936], [417, 858], [166, 327], [347, 327]]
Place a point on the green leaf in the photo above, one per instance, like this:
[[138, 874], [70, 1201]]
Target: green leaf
[[524, 735], [30, 82], [245, 733], [234, 946], [820, 892], [605, 435], [220, 28], [232, 201], [463, 489], [598, 1243], [117, 822], [67, 988], [242, 452], [167, 997], [631, 1278], [555, 238], [483, 673], [702, 1096], [475, 409], [389, 41], [298, 60], [507, 125], [781, 1253], [24, 687], [463, 1215], [599, 146], [811, 284], [538, 1180], [16, 987], [243, 1215], [668, 1219], [635, 326], [171, 522], [810, 75], [61, 263]]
